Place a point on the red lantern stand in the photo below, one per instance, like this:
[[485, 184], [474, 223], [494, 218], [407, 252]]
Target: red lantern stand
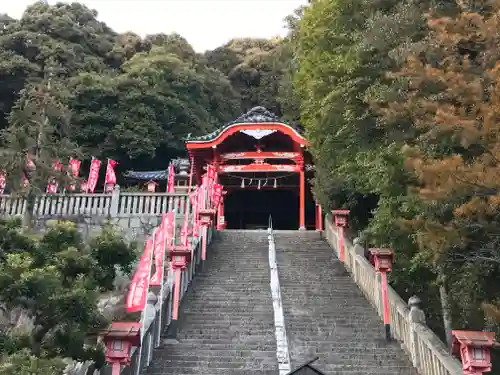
[[473, 349], [180, 256], [206, 217], [382, 261], [340, 217], [119, 339]]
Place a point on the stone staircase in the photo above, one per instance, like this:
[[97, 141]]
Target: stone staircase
[[226, 321], [326, 315]]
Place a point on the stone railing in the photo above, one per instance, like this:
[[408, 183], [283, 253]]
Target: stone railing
[[425, 349], [114, 204], [157, 317], [154, 326]]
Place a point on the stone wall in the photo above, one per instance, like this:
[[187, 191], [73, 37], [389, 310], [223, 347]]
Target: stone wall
[[135, 214], [132, 228]]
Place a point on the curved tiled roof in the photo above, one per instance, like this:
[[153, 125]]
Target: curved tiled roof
[[181, 165], [147, 175], [256, 115]]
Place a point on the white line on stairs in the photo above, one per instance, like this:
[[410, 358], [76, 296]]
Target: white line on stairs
[[282, 353]]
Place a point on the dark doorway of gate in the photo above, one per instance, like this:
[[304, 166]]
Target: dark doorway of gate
[[250, 209]]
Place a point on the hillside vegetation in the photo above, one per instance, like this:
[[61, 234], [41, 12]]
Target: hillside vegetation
[[400, 100]]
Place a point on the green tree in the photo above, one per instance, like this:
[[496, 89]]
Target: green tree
[[160, 96], [451, 100], [255, 68], [24, 363], [56, 280], [39, 132], [68, 35]]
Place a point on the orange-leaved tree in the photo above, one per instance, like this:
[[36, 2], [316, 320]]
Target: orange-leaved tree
[[453, 102]]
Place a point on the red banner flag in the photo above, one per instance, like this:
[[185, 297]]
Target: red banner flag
[[24, 181], [217, 194], [171, 179], [29, 163], [169, 229], [53, 185], [93, 175], [74, 166], [139, 287], [74, 171], [163, 239], [159, 255], [110, 173], [197, 206], [3, 182], [185, 230]]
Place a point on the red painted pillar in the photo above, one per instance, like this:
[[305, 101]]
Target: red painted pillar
[[207, 218], [302, 213], [180, 257], [385, 304], [177, 292], [204, 239], [341, 244], [221, 221], [319, 218]]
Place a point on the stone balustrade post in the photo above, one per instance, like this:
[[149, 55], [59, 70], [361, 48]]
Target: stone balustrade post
[[357, 250], [148, 319], [415, 316], [115, 202]]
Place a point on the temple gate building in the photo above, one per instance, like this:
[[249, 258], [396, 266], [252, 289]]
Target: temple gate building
[[264, 168]]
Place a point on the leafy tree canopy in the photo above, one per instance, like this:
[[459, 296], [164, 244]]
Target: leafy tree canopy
[[55, 280]]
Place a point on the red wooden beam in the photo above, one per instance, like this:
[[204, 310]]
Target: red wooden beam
[[259, 167], [260, 155]]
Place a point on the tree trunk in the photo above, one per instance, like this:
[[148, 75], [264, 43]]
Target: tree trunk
[[36, 340], [446, 309], [28, 219]]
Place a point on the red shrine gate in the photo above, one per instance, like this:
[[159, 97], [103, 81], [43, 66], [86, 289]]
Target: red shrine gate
[[257, 156]]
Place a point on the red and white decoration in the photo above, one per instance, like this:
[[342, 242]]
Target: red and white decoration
[[163, 241], [138, 292], [73, 172], [151, 185], [3, 182], [30, 165], [171, 179], [110, 182], [217, 195], [95, 166], [53, 185]]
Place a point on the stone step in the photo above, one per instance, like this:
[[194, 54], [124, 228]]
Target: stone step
[[222, 345], [230, 343], [156, 369], [173, 353], [226, 320], [326, 314]]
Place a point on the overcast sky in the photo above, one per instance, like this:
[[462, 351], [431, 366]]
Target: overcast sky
[[206, 24]]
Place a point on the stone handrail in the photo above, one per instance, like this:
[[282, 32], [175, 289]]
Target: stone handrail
[[157, 317], [426, 351], [113, 204], [154, 325]]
